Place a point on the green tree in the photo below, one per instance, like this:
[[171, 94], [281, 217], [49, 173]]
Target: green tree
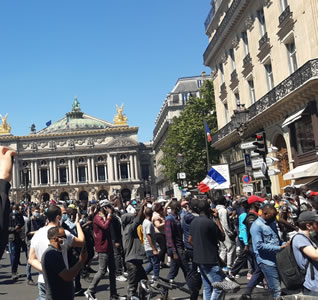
[[186, 135]]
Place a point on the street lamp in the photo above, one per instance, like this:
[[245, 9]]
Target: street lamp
[[26, 183], [240, 119]]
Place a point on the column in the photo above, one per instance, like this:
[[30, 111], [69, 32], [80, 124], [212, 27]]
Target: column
[[55, 178], [70, 180], [17, 174], [58, 175], [89, 170], [74, 171], [116, 168], [105, 170], [36, 173], [32, 173], [128, 170], [14, 176], [93, 169], [136, 167], [86, 171], [67, 174], [51, 172], [110, 168], [132, 169]]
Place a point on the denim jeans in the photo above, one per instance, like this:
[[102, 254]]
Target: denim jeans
[[14, 250], [272, 279], [154, 264], [41, 287], [210, 274], [104, 260]]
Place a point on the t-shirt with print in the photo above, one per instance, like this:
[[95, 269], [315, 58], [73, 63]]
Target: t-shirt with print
[[40, 243], [148, 228], [52, 264], [299, 242]]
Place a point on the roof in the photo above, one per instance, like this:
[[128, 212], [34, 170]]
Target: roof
[[75, 120]]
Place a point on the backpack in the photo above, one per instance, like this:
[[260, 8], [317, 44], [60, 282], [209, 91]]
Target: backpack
[[140, 233], [290, 273], [231, 223]]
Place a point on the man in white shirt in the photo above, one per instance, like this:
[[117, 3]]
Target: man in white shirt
[[40, 242]]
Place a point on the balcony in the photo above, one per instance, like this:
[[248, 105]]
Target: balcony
[[304, 74], [285, 15], [215, 6], [234, 75], [247, 60], [220, 30], [263, 41]]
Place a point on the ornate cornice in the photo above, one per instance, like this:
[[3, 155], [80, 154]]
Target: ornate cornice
[[118, 129]]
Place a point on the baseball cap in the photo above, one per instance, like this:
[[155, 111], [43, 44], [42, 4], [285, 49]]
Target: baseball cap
[[308, 216], [254, 198], [104, 203]]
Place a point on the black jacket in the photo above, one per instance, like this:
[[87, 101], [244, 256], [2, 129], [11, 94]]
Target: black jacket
[[14, 221], [250, 218], [4, 214]]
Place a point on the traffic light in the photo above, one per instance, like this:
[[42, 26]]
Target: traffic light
[[260, 143]]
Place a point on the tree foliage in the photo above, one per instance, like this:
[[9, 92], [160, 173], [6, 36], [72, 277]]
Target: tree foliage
[[186, 136]]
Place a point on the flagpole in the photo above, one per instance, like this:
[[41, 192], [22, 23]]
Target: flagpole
[[206, 148]]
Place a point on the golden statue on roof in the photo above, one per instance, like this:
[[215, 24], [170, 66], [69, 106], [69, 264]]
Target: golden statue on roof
[[120, 118], [5, 128]]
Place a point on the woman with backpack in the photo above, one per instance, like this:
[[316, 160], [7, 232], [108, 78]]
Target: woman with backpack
[[306, 252]]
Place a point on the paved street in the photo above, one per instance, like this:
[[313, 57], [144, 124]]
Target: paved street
[[20, 290]]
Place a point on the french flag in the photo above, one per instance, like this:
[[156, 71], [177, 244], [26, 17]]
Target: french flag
[[207, 131], [211, 181], [67, 121]]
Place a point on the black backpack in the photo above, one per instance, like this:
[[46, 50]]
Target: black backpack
[[290, 273]]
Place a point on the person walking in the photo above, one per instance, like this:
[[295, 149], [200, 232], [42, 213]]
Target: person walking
[[104, 248], [266, 243], [150, 245], [205, 234]]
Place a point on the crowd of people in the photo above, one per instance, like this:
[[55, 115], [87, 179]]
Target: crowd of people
[[213, 240]]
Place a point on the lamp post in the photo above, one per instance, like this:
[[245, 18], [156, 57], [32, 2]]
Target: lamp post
[[26, 184]]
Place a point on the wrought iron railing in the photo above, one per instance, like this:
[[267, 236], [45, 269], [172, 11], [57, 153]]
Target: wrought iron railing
[[290, 84], [247, 60], [221, 28], [264, 40], [284, 15]]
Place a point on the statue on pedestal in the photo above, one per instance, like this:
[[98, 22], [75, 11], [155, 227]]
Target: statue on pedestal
[[120, 118]]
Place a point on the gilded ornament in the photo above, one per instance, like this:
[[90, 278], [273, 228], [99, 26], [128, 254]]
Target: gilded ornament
[[120, 118], [5, 128]]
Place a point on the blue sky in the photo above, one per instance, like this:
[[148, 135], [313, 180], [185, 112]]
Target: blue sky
[[105, 52]]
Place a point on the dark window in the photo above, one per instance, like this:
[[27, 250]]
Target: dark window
[[305, 141], [44, 177], [144, 172], [101, 173], [63, 178], [81, 174], [123, 171]]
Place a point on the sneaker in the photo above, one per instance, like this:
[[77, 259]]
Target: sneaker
[[260, 285], [226, 285], [15, 276], [89, 295], [121, 278], [125, 274], [31, 282], [237, 276], [171, 281]]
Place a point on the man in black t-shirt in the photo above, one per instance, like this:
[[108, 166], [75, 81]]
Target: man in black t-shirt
[[204, 237], [58, 279]]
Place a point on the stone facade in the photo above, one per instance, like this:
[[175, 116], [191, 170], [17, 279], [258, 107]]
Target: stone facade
[[79, 157], [272, 70], [173, 105]]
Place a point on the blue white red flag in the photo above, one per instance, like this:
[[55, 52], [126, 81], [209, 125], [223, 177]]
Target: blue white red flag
[[211, 181], [207, 131], [67, 121]]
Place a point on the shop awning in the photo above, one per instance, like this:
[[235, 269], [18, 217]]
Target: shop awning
[[308, 170], [291, 119]]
